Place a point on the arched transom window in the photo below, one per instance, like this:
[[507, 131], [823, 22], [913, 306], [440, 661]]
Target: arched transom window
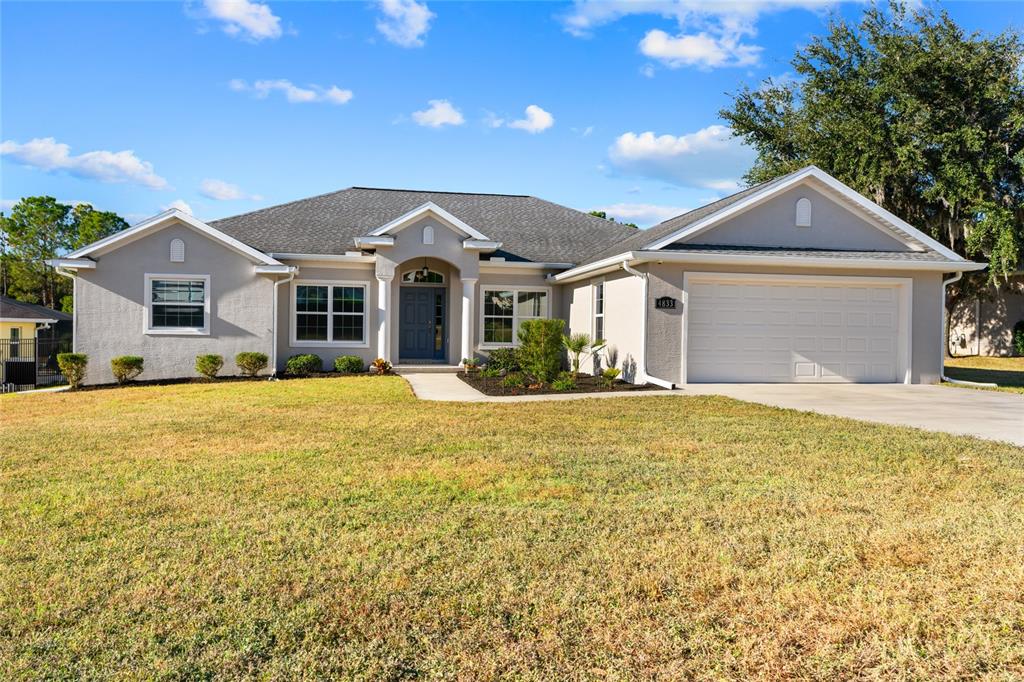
[[422, 276]]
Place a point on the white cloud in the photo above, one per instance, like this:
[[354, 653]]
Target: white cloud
[[405, 22], [583, 132], [224, 191], [241, 18], [701, 50], [710, 158], [492, 120], [179, 204], [439, 113], [647, 70], [642, 214], [293, 93], [711, 34], [537, 120], [47, 154]]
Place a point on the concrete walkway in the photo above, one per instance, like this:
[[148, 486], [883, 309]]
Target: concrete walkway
[[965, 411], [450, 388]]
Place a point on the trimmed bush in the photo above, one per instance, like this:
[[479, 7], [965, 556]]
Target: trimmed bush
[[490, 371], [72, 366], [126, 367], [540, 348], [1018, 338], [349, 364], [303, 365], [505, 359], [209, 364], [609, 375], [380, 366], [251, 363]]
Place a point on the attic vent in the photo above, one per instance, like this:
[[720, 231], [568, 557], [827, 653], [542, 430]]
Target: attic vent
[[428, 234], [177, 251], [803, 212]]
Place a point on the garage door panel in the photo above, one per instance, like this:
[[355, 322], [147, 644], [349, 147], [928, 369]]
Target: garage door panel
[[806, 330]]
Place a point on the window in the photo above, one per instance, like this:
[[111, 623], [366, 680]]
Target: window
[[177, 304], [329, 313], [803, 212], [599, 311], [15, 347], [422, 276], [504, 309]]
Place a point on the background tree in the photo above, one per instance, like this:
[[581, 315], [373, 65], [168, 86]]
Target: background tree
[[40, 228], [909, 110], [605, 216]]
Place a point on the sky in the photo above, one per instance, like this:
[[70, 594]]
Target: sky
[[220, 107]]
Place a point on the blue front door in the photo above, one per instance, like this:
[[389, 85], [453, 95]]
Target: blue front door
[[421, 323]]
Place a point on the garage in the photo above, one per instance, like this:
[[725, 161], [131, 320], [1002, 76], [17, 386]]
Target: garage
[[796, 328]]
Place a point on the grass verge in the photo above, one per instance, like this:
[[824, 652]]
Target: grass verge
[[1006, 373]]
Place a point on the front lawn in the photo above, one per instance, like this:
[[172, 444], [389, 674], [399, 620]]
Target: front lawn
[[342, 528], [1006, 373]]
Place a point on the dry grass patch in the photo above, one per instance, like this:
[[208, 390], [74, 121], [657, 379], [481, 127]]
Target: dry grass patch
[[341, 528]]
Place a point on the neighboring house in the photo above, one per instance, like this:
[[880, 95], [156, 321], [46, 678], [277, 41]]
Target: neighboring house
[[21, 323], [984, 325], [799, 279]]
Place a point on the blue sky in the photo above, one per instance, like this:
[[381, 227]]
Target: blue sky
[[225, 106]]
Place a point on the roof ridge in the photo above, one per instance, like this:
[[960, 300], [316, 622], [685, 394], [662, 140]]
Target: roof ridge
[[441, 191], [286, 203]]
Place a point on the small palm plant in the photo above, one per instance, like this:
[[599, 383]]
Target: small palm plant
[[579, 346]]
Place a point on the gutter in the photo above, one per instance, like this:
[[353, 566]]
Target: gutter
[[945, 322], [643, 330], [273, 350]]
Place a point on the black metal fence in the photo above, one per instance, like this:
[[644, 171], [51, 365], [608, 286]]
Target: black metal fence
[[30, 363]]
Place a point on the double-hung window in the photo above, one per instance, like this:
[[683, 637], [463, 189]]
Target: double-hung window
[[599, 311], [177, 304], [505, 308], [329, 313]]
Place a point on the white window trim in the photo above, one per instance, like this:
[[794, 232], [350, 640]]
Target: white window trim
[[515, 289], [296, 343], [593, 308], [148, 329]]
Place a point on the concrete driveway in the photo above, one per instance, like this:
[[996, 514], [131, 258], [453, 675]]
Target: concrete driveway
[[988, 414]]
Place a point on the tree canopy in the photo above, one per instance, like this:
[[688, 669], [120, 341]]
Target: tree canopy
[[908, 109], [40, 228]]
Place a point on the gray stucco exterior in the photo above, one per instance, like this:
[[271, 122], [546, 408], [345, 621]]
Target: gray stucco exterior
[[247, 282]]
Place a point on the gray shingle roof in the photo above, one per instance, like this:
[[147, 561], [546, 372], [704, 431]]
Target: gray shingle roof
[[9, 308], [529, 228], [926, 256]]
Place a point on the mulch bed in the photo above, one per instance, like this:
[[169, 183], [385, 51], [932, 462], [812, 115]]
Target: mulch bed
[[218, 380], [585, 383]]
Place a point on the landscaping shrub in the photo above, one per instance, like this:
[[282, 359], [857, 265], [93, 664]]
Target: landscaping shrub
[[580, 346], [513, 380], [540, 348], [1018, 338], [565, 382], [490, 371], [349, 364], [609, 375], [126, 368], [72, 366], [505, 359], [469, 363], [303, 365], [380, 366], [251, 363], [209, 364]]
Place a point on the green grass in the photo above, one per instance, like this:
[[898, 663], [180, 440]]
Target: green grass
[[1006, 373], [341, 528]]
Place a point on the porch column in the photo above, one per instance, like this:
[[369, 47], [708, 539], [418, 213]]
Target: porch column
[[468, 299], [384, 316]]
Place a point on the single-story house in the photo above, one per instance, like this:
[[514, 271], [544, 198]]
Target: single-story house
[[21, 323], [799, 279]]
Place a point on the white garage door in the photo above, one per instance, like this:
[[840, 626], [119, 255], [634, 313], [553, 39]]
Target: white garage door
[[795, 329]]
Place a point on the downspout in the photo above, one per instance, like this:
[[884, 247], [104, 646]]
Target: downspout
[[643, 330], [273, 348], [945, 322], [74, 312]]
